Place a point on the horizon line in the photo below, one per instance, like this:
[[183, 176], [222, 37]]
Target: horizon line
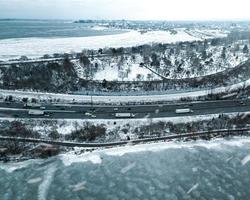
[[159, 20]]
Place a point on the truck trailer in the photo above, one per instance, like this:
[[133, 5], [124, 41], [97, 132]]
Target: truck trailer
[[36, 112], [183, 111], [124, 115], [32, 105]]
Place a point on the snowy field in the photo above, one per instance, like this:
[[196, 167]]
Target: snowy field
[[131, 72], [122, 69], [37, 47]]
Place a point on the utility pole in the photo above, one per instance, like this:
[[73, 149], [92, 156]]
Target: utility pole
[[92, 103]]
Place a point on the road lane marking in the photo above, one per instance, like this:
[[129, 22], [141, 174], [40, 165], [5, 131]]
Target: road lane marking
[[22, 109]]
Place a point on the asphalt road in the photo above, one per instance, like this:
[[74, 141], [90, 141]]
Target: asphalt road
[[73, 111]]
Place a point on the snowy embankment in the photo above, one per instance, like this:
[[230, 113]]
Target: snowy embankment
[[101, 99], [37, 47], [69, 98], [67, 126]]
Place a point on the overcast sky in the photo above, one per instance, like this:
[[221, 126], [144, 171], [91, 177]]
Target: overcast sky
[[126, 9]]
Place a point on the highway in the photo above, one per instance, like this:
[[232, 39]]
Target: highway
[[76, 111]]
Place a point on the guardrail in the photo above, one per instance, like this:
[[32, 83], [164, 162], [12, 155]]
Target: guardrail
[[222, 132]]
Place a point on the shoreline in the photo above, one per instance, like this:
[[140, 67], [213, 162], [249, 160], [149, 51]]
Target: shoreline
[[14, 48], [82, 149], [80, 155]]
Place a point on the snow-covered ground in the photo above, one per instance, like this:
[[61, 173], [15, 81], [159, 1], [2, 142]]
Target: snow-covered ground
[[122, 68], [76, 155], [117, 68], [68, 98], [67, 126], [96, 157], [206, 33], [131, 72], [189, 63], [37, 47], [184, 62], [103, 99], [98, 28]]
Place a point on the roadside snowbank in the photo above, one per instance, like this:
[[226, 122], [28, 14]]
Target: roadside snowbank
[[122, 99], [98, 99], [66, 126]]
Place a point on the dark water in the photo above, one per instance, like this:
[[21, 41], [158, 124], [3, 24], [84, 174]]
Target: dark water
[[49, 28], [213, 170]]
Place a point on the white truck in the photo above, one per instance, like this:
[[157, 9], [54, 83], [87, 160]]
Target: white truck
[[36, 112], [124, 115], [32, 105], [90, 115], [183, 111]]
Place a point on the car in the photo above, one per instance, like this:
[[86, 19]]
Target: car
[[242, 103], [88, 114], [116, 109]]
